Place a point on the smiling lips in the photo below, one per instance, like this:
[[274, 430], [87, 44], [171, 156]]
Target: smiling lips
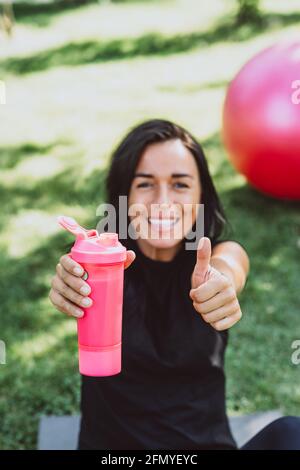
[[162, 223]]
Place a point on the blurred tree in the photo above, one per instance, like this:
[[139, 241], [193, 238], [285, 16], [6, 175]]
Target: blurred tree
[[248, 11]]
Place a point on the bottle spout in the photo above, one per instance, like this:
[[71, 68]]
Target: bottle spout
[[70, 224], [108, 239]]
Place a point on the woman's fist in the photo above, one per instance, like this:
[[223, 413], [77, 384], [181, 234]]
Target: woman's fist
[[213, 293], [69, 292]]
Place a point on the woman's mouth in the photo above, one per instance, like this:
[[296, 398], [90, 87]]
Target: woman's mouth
[[162, 224]]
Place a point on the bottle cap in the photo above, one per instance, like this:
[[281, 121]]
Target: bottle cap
[[91, 247]]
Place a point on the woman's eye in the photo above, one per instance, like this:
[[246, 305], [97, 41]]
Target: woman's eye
[[180, 185], [143, 185], [146, 184]]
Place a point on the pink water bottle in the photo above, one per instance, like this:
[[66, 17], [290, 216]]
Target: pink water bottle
[[100, 329]]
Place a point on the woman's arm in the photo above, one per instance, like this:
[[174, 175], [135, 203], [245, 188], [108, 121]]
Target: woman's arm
[[231, 259]]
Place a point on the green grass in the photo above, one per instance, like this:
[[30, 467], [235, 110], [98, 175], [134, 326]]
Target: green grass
[[67, 106], [83, 52]]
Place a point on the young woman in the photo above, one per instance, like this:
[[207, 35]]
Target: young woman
[[178, 304]]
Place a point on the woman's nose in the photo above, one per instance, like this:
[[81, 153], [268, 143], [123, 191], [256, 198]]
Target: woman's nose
[[163, 196]]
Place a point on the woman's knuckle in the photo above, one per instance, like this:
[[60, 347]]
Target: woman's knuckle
[[63, 274], [60, 271], [206, 318], [64, 290], [231, 306], [77, 298], [225, 282], [62, 259], [231, 294], [201, 308], [198, 297], [64, 305], [72, 295]]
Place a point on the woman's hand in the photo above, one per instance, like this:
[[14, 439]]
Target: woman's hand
[[213, 293], [69, 291]]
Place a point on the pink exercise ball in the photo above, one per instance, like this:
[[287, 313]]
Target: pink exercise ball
[[261, 121]]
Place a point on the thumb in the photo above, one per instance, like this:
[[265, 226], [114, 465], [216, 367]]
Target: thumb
[[202, 262], [129, 259]]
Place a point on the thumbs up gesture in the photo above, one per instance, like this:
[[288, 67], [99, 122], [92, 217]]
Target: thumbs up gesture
[[213, 293]]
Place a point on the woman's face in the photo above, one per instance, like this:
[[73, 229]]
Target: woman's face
[[164, 197]]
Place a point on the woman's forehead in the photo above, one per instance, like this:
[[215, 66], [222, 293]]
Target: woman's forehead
[[170, 156]]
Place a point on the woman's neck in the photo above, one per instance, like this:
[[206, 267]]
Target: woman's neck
[[158, 254]]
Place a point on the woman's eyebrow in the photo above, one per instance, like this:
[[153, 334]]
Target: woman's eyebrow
[[144, 175], [174, 175], [181, 175]]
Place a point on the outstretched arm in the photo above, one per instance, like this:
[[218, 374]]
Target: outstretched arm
[[231, 259]]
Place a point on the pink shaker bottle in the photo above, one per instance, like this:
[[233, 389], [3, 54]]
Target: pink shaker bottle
[[100, 329]]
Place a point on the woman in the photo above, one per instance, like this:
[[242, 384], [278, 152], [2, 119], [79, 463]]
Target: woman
[[178, 303]]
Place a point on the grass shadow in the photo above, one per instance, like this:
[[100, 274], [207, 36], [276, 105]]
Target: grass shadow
[[192, 88], [12, 155], [41, 14], [85, 52], [65, 187]]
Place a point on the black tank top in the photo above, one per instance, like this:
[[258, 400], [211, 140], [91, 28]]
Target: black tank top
[[170, 393]]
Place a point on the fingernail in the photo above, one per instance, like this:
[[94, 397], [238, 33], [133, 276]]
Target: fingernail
[[200, 245], [85, 290], [78, 313], [86, 302], [77, 271]]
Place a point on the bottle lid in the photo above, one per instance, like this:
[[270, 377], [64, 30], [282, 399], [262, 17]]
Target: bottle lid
[[91, 247]]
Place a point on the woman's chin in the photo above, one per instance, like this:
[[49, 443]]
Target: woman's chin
[[163, 243]]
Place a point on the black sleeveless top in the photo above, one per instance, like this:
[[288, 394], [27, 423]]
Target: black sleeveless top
[[170, 393]]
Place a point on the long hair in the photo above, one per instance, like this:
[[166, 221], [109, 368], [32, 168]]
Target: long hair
[[127, 154]]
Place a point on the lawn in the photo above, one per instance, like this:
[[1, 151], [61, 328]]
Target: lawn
[[76, 80]]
